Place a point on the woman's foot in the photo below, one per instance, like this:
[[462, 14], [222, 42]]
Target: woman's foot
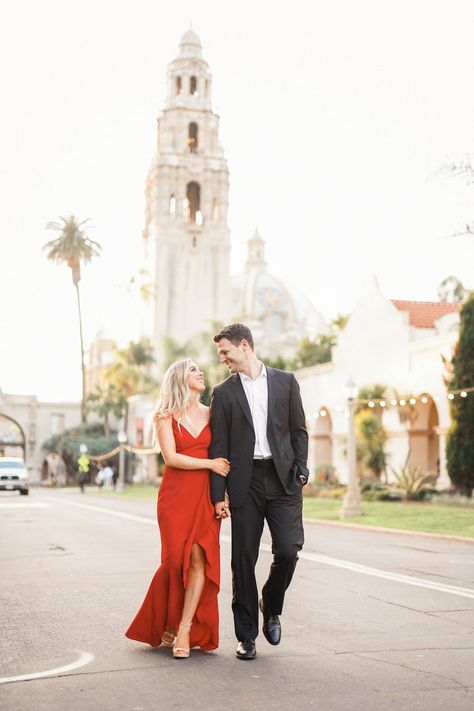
[[168, 637], [181, 645]]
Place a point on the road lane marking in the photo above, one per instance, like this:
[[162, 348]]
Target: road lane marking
[[85, 658], [315, 558], [111, 512], [21, 505], [396, 577]]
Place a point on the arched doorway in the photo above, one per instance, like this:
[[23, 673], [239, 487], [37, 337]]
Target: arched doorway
[[423, 435], [322, 441], [12, 438]]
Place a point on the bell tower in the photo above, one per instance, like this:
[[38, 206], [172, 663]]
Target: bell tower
[[187, 239]]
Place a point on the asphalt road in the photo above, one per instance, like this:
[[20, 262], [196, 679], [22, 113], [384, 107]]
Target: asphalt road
[[372, 620]]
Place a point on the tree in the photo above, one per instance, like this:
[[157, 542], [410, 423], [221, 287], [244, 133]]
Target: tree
[[451, 290], [128, 374], [72, 247], [314, 352], [372, 392], [460, 440], [319, 350], [370, 430], [105, 400]]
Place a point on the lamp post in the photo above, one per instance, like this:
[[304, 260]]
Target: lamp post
[[352, 502], [122, 438]]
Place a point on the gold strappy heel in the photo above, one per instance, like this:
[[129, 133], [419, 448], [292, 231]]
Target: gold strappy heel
[[182, 652], [168, 638]]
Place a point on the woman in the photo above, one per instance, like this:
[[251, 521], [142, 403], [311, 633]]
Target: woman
[[180, 607]]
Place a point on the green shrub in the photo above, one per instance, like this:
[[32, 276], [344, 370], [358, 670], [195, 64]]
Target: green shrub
[[411, 483], [460, 440]]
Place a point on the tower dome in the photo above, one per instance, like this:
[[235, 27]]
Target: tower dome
[[190, 44], [277, 313]]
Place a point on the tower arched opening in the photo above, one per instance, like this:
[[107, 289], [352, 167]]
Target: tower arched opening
[[193, 137], [193, 86], [178, 85], [193, 197]]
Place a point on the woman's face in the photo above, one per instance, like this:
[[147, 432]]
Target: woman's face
[[196, 379]]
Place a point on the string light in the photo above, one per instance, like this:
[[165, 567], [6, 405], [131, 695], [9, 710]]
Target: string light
[[402, 402]]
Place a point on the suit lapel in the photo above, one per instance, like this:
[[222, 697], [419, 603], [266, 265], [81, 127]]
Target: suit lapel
[[242, 398], [271, 396]]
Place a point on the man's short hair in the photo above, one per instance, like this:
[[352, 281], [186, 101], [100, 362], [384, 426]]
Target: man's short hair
[[235, 332]]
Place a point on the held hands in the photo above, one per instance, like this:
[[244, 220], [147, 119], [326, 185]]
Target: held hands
[[221, 508], [220, 466]]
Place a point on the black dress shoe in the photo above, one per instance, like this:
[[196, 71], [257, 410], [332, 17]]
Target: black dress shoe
[[271, 625], [246, 650]]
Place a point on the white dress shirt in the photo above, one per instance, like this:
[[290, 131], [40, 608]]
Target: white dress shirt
[[257, 396]]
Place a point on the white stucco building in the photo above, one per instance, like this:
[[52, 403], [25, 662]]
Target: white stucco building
[[26, 422], [399, 344]]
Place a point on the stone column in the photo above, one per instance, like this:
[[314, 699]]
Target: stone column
[[443, 482]]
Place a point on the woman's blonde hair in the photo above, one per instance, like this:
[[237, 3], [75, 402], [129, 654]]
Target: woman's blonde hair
[[174, 394]]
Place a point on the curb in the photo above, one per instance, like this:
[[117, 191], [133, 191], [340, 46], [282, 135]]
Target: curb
[[382, 529]]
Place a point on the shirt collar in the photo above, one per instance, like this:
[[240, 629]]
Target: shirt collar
[[262, 374]]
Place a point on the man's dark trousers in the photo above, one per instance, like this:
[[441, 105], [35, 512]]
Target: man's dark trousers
[[266, 500]]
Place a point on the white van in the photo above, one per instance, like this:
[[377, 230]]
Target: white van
[[13, 475]]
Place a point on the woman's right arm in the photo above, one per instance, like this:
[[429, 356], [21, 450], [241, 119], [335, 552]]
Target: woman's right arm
[[173, 459]]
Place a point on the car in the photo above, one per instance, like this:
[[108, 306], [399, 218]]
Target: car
[[13, 475]]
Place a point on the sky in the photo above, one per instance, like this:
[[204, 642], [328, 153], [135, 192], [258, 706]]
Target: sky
[[334, 120]]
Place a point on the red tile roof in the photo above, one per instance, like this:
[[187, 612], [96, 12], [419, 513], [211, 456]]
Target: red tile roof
[[423, 314]]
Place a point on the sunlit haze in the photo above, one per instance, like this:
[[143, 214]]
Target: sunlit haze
[[334, 117]]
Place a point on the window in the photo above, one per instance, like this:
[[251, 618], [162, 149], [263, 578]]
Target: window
[[193, 138], [193, 196], [178, 85], [193, 86], [215, 209]]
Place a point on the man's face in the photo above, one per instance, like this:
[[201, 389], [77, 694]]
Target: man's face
[[234, 357]]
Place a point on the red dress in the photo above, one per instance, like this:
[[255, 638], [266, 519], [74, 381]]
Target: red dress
[[185, 516]]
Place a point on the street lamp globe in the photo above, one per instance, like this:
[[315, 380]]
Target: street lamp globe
[[83, 448], [122, 437]]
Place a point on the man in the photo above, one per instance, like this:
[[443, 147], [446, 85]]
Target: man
[[258, 423]]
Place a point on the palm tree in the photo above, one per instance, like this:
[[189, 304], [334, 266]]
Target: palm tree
[[72, 247]]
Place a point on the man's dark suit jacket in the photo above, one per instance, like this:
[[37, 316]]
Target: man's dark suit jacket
[[233, 435]]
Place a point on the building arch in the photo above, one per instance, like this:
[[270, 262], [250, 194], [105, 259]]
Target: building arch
[[12, 436], [193, 203], [193, 137], [321, 443], [423, 435]]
